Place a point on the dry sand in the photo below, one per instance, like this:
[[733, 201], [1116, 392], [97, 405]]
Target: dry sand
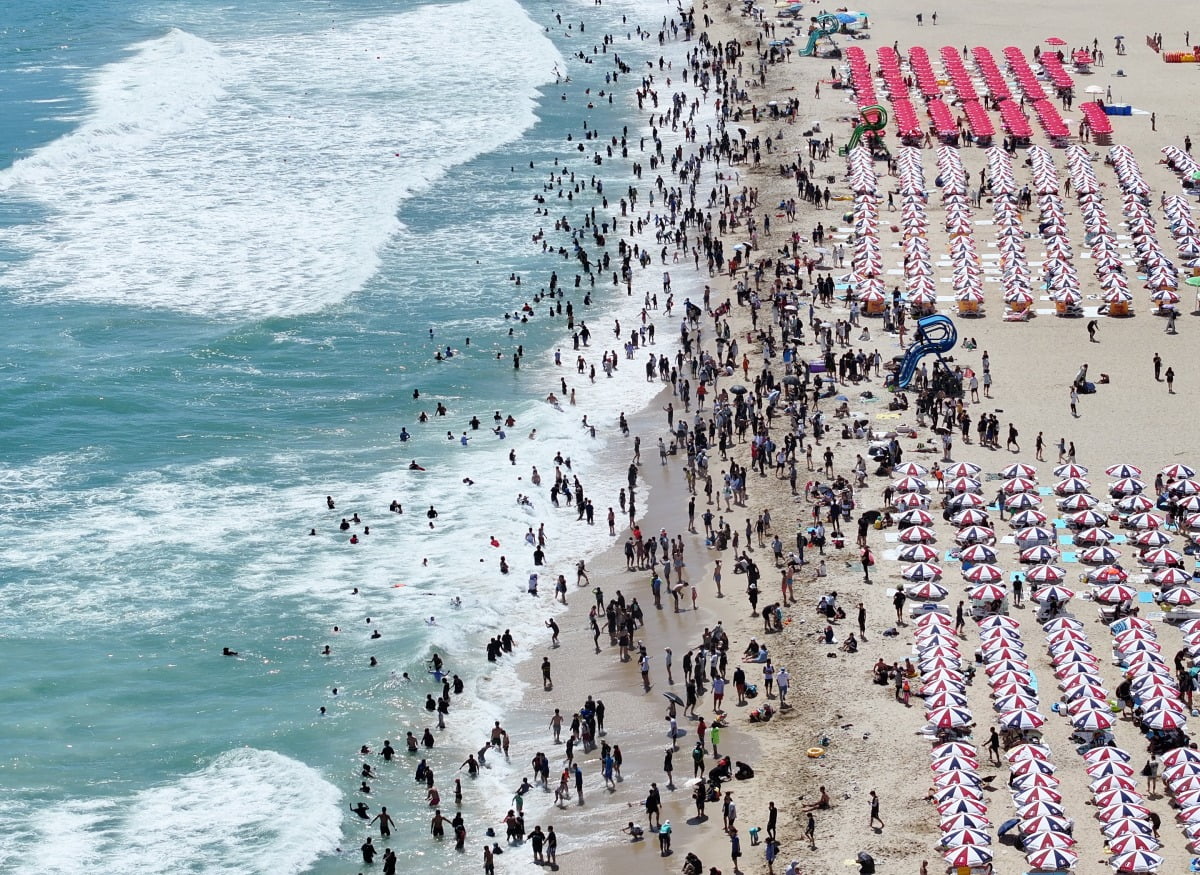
[[871, 737]]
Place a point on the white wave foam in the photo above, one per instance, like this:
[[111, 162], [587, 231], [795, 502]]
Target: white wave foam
[[261, 177], [249, 811]]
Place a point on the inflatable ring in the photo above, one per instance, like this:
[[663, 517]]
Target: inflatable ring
[[816, 752]]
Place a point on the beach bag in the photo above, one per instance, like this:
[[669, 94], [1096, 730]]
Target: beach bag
[[1146, 770]]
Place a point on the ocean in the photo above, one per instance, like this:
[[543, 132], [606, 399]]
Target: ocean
[[233, 239]]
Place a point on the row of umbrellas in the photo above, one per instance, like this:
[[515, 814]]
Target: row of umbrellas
[[1183, 227], [1010, 236], [1162, 276], [967, 275], [1035, 96], [1058, 270], [956, 71], [905, 115], [1106, 256], [861, 81]]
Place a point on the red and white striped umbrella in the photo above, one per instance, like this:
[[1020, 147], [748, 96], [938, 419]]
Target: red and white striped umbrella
[[1046, 574], [988, 592], [978, 553], [1115, 593], [983, 573], [1152, 538], [1162, 556]]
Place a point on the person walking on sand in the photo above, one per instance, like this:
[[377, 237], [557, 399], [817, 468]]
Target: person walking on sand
[[1091, 330], [1170, 375], [1157, 368], [810, 831], [1039, 446], [875, 811], [1012, 439], [1074, 403]]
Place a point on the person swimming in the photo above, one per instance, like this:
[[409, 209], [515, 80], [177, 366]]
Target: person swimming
[[225, 651], [361, 810]]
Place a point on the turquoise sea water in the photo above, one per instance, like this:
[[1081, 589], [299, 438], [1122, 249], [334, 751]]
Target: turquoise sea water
[[225, 234]]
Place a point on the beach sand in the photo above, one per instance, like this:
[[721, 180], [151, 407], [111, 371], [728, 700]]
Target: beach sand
[[871, 741]]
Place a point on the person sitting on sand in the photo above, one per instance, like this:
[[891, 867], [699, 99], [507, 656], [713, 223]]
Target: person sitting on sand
[[850, 645], [822, 803]]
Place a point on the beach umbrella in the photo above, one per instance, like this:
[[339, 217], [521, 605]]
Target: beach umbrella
[[968, 856], [999, 622], [1094, 535], [1060, 623], [1087, 519], [1039, 809], [927, 591], [963, 484], [1053, 592], [1018, 469], [962, 806], [1026, 782], [909, 484], [916, 517], [1115, 593], [1126, 486], [1123, 470], [1103, 555], [1104, 768], [1015, 664], [1178, 472], [1192, 521], [1078, 501], [1071, 486], [975, 535], [1135, 504], [1180, 755], [918, 534], [1105, 755], [978, 553], [921, 571], [1134, 842], [958, 791], [1046, 574], [950, 718], [1145, 520], [963, 821], [1164, 719], [1052, 859], [964, 500], [971, 516], [1092, 721], [1113, 782], [983, 573], [1015, 701], [1026, 518], [1128, 826], [1039, 554], [1022, 501], [1122, 811], [1044, 824], [1041, 841], [1032, 765], [954, 749], [910, 469], [1085, 703], [1022, 718], [1152, 538], [961, 838], [918, 553], [946, 699], [1034, 535], [1190, 504], [1162, 556], [987, 592], [1018, 485], [1187, 486], [1070, 469], [1181, 595], [908, 500], [963, 469], [1108, 574]]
